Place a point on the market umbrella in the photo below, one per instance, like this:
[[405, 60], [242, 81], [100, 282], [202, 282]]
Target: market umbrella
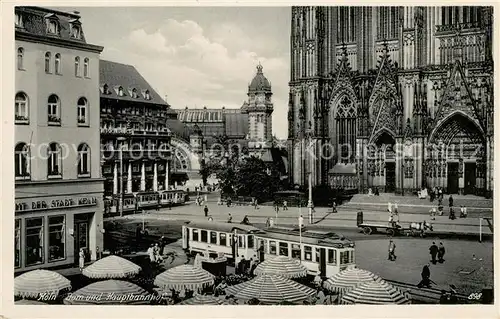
[[349, 279], [375, 293], [24, 302], [271, 289], [184, 277], [109, 292], [111, 267], [283, 266], [204, 300], [33, 283]]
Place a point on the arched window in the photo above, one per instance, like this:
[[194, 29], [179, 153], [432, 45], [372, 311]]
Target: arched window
[[83, 160], [21, 108], [346, 130], [86, 68], [20, 59], [120, 91], [82, 111], [57, 63], [21, 161], [54, 161], [77, 66], [134, 93], [48, 57], [146, 95], [53, 110]]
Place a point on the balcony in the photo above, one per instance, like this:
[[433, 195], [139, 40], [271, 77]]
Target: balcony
[[54, 120], [457, 27], [82, 121], [24, 176], [22, 119]]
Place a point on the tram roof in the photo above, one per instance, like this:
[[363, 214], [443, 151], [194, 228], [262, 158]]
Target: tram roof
[[310, 237], [222, 227]]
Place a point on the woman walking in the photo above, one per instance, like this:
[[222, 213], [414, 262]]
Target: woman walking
[[81, 259]]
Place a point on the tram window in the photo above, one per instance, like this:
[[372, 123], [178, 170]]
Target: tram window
[[250, 241], [241, 241], [351, 259], [195, 235], [272, 247], [213, 237], [317, 254], [344, 257], [222, 239], [296, 251], [203, 236], [332, 257], [266, 248], [307, 253], [284, 249]]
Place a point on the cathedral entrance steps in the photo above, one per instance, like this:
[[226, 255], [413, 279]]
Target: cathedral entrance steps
[[469, 201]]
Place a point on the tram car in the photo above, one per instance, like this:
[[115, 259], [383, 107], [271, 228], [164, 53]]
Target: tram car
[[323, 253], [129, 204], [147, 200], [172, 197]]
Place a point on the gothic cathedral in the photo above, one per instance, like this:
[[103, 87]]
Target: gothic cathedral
[[397, 98]]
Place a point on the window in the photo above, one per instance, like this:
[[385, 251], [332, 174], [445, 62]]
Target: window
[[204, 236], [283, 249], [21, 108], [134, 93], [332, 256], [77, 66], [48, 57], [120, 91], [296, 251], [19, 20], [344, 257], [57, 63], [20, 59], [388, 23], [222, 239], [241, 241], [53, 110], [308, 253], [83, 160], [105, 89], [146, 95], [318, 254], [54, 160], [346, 130], [21, 161], [272, 247], [86, 68], [195, 235], [57, 238], [34, 241], [351, 258], [17, 243], [250, 240], [52, 27], [346, 25], [82, 111], [75, 31], [213, 237]]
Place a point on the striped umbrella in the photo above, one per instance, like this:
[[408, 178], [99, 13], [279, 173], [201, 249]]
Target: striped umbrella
[[111, 267], [184, 277], [375, 293], [204, 300], [283, 266], [33, 283], [271, 289], [26, 302], [109, 292], [349, 279]]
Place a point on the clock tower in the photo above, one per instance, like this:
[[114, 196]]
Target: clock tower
[[259, 108]]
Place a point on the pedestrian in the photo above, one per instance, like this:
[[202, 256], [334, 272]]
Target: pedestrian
[[463, 212], [450, 200], [440, 192], [391, 220], [432, 194], [334, 207], [163, 243], [230, 218], [396, 209], [452, 213], [158, 204], [81, 259], [389, 207], [392, 251], [441, 252], [206, 210], [426, 275], [271, 222], [250, 265], [158, 257], [241, 265], [245, 220], [433, 213], [285, 205], [151, 253], [137, 237], [440, 210], [433, 250], [268, 222]]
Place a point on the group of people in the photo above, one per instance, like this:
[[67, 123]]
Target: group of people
[[246, 267], [435, 251], [393, 211]]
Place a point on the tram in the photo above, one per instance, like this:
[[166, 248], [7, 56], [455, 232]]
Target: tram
[[172, 197], [129, 204], [146, 200], [323, 253]]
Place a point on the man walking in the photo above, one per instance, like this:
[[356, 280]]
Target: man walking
[[426, 275], [450, 201], [441, 252], [206, 210], [285, 205], [392, 251], [433, 251]]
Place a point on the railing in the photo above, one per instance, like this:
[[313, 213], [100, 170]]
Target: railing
[[127, 131], [459, 26]]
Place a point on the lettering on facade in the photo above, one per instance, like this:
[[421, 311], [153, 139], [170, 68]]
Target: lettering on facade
[[55, 204]]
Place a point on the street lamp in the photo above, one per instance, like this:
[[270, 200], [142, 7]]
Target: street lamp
[[310, 204], [120, 202]]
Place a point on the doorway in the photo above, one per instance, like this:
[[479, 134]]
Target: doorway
[[390, 177], [81, 236], [322, 262], [470, 178], [452, 178]]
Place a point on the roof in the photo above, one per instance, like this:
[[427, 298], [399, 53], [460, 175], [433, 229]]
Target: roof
[[236, 124], [343, 169], [222, 227], [308, 237], [116, 75], [259, 82], [178, 128], [34, 23]]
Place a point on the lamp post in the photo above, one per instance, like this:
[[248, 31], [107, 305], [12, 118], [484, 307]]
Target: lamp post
[[120, 202], [310, 204]]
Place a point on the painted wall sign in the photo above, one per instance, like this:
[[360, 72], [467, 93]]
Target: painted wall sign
[[55, 204]]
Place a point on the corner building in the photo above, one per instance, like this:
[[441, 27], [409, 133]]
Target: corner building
[[397, 98], [58, 185]]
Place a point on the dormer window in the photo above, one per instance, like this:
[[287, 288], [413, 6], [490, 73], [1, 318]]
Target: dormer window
[[52, 27], [134, 94], [75, 29], [146, 95], [19, 20], [105, 89], [120, 91]]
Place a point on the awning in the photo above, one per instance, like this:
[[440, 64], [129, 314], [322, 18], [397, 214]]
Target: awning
[[349, 279], [283, 266], [109, 292], [111, 267], [184, 277], [375, 293], [33, 283]]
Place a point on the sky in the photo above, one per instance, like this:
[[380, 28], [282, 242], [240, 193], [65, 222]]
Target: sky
[[198, 56]]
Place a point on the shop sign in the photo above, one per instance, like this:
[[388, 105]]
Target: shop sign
[[55, 204]]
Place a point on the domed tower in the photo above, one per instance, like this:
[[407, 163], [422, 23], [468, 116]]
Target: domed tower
[[259, 108], [196, 140]]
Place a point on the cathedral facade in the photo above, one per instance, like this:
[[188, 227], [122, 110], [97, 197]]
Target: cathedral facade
[[397, 98]]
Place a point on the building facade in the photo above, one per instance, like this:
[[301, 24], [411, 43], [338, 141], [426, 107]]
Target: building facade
[[397, 98], [58, 184], [134, 134]]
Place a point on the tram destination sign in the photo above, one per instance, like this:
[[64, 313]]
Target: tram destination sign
[[55, 204]]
